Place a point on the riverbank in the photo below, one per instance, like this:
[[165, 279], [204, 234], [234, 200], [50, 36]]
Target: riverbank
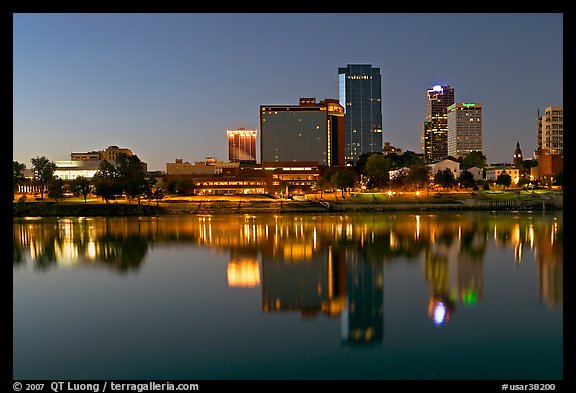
[[254, 205]]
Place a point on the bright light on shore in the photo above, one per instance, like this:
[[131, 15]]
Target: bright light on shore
[[417, 193]]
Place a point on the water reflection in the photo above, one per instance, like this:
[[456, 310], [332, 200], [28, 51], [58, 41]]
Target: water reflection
[[325, 265]]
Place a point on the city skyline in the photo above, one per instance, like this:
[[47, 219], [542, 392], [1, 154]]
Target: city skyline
[[170, 85]]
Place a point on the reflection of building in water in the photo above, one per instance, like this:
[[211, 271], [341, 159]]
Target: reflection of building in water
[[550, 265], [311, 285], [243, 270], [453, 268], [363, 316]]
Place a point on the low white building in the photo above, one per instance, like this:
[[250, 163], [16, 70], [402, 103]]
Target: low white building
[[478, 173], [70, 170], [493, 173], [440, 166], [397, 172]]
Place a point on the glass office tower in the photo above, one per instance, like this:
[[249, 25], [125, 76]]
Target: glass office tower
[[360, 95]]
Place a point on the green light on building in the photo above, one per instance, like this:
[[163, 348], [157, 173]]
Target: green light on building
[[467, 104]]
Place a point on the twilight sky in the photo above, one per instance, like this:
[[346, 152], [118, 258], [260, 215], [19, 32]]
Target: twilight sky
[[169, 85]]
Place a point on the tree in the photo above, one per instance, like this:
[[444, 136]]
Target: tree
[[180, 186], [359, 166], [56, 188], [410, 158], [81, 186], [444, 178], [106, 182], [377, 169], [344, 179], [17, 175], [419, 175], [474, 159], [504, 180], [321, 184], [131, 176], [559, 178], [43, 172], [466, 179]]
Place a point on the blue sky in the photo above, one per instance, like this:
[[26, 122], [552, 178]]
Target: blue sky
[[169, 85]]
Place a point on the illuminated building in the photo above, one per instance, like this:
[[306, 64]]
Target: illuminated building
[[464, 129], [434, 129], [492, 173], [231, 181], [69, 170], [550, 131], [242, 145], [360, 95], [86, 164], [297, 175], [310, 131]]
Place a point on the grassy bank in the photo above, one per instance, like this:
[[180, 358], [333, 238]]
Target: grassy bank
[[74, 209], [366, 202]]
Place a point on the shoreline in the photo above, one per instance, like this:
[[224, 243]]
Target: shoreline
[[72, 209]]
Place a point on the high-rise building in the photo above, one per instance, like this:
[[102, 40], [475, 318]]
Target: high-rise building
[[360, 95], [241, 145], [464, 129], [551, 131], [434, 129], [310, 131]]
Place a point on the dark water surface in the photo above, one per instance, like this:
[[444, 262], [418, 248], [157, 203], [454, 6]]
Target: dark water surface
[[474, 295]]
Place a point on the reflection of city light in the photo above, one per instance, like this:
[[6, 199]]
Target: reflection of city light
[[439, 314], [417, 227], [470, 297], [91, 250], [245, 274], [531, 236]]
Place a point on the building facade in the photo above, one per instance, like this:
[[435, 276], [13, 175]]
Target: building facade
[[493, 173], [464, 129], [551, 131], [434, 129], [210, 166], [242, 145], [361, 97], [310, 131]]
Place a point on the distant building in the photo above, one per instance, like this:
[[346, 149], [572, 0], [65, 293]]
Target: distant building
[[360, 95], [464, 129], [434, 129], [549, 165], [296, 175], [492, 173], [440, 166], [210, 166], [87, 163], [70, 170], [241, 145], [478, 173], [310, 131], [387, 149], [551, 131]]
